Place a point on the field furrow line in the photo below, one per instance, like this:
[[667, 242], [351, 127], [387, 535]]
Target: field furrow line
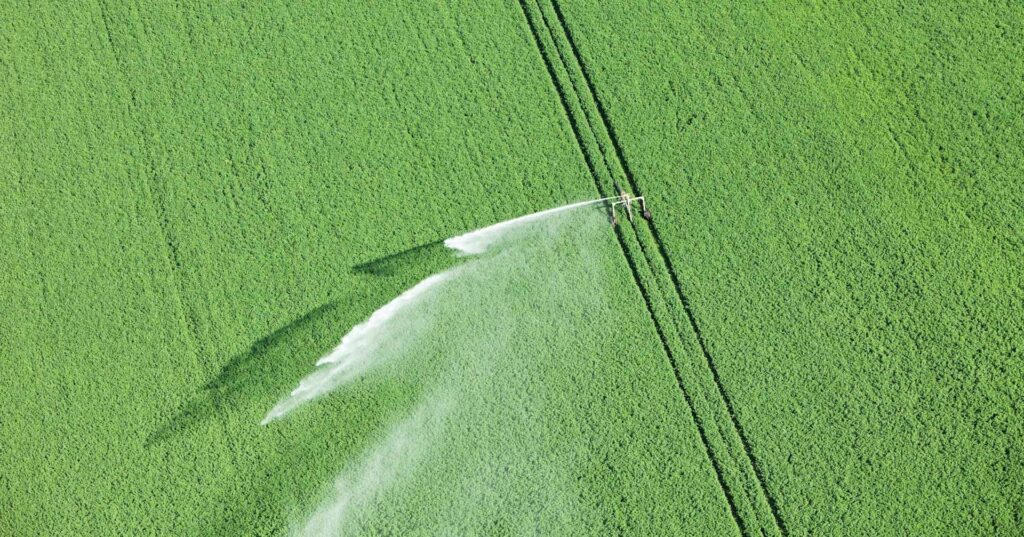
[[586, 142], [156, 196], [735, 485], [737, 470]]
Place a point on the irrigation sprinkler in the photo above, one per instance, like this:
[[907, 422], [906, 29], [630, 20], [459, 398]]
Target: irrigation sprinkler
[[626, 200]]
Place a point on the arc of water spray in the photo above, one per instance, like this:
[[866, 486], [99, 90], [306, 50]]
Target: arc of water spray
[[355, 353], [477, 241]]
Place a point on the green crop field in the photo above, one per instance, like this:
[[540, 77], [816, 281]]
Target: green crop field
[[818, 332]]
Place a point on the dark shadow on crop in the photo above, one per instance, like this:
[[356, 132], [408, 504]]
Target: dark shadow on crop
[[250, 370], [271, 365], [416, 262], [250, 382]]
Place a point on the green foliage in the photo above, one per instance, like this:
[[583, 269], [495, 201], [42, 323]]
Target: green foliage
[[199, 201], [838, 188]]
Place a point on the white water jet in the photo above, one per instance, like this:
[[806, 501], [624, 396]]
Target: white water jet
[[358, 348], [478, 241], [361, 347], [361, 338], [467, 326]]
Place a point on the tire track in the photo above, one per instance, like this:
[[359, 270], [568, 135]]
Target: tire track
[[738, 472], [712, 434], [156, 197], [673, 274], [620, 159], [648, 297]]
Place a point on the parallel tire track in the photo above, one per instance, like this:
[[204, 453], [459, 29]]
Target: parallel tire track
[[649, 298], [737, 470]]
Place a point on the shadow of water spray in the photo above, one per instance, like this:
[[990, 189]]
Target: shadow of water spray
[[421, 260], [256, 370], [401, 322], [389, 331], [491, 336], [275, 361]]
